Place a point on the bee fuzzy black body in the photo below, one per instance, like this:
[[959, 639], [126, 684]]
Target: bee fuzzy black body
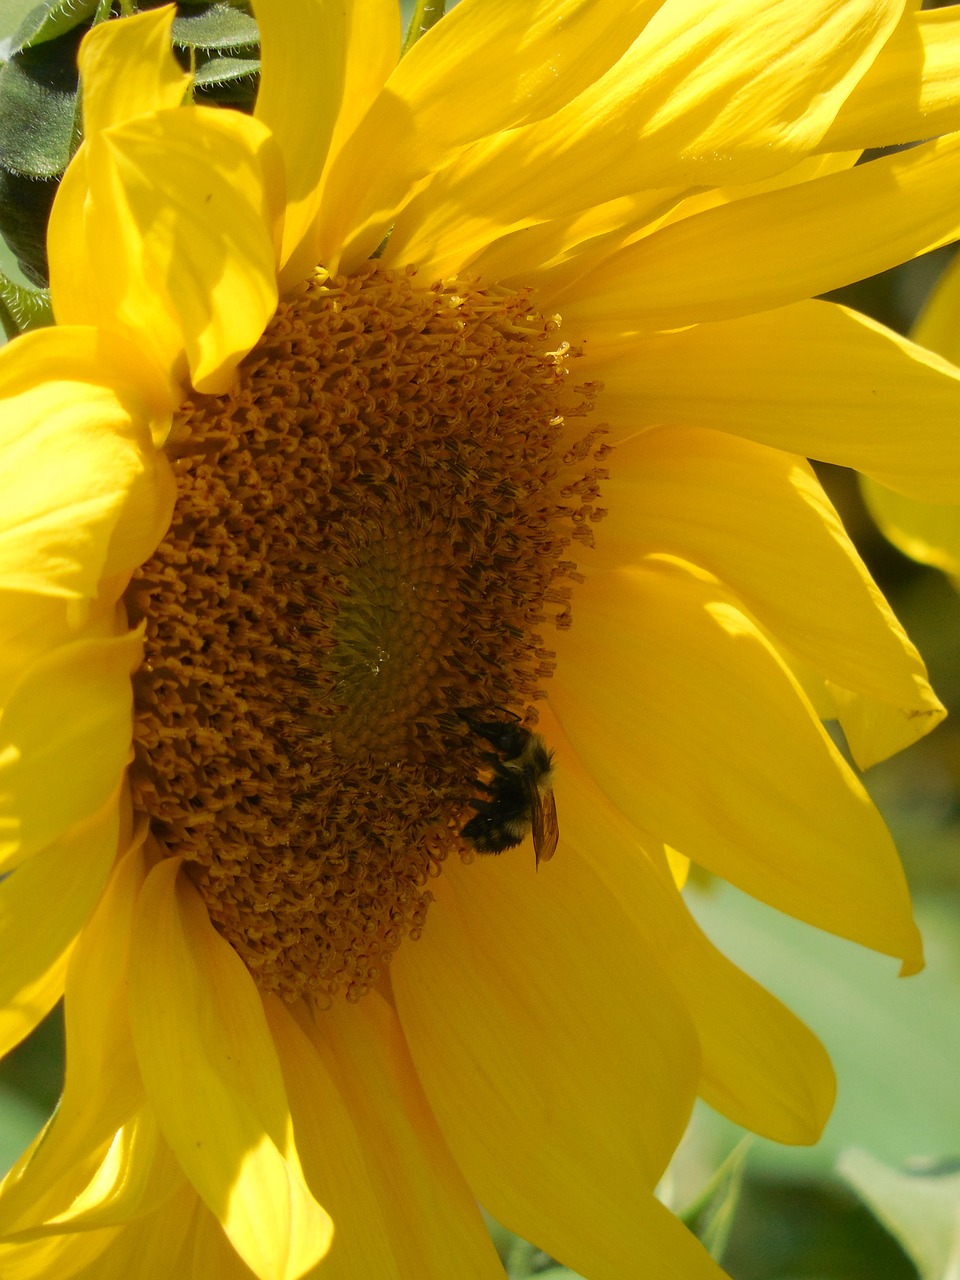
[[519, 796]]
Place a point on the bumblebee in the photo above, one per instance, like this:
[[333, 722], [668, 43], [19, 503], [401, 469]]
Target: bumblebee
[[519, 797]]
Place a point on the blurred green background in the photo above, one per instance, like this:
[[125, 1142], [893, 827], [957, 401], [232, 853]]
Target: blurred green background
[[878, 1198]]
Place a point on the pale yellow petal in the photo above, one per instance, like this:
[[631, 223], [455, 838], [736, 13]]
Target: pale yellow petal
[[128, 69], [814, 379], [303, 48], [707, 94], [489, 65], [761, 1066], [913, 88], [65, 738], [210, 1068], [759, 520], [767, 250], [691, 723], [372, 1151], [532, 997], [167, 229]]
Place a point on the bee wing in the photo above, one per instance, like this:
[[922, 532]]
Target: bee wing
[[546, 832]]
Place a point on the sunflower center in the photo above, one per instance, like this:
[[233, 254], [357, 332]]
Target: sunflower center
[[371, 533]]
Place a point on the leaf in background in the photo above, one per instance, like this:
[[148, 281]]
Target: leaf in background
[[221, 40], [214, 26], [894, 1042], [31, 1078], [55, 18], [921, 1209], [712, 1213], [39, 129]]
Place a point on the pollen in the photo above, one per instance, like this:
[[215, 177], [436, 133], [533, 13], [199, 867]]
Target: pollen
[[373, 531]]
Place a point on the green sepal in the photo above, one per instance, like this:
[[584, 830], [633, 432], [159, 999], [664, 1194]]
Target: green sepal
[[22, 309]]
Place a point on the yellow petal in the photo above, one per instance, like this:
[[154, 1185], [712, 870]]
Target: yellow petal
[[927, 531], [211, 1071], [128, 69], [874, 730], [770, 249], [68, 720], [30, 626], [158, 1246], [87, 362], [485, 67], [912, 90], [84, 494], [138, 1176], [302, 53], [76, 1256], [555, 1057], [939, 324], [551, 256], [167, 229], [759, 520], [164, 1241], [372, 48], [372, 1151], [102, 1089], [761, 1066], [372, 53], [30, 996], [707, 94], [692, 724], [814, 379]]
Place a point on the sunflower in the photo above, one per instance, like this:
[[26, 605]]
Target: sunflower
[[321, 581]]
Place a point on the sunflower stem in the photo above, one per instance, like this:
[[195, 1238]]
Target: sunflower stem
[[426, 13]]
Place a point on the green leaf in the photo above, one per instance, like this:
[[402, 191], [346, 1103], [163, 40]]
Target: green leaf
[[920, 1209], [24, 209], [38, 103], [22, 308], [20, 1122], [53, 19], [215, 26], [220, 71]]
